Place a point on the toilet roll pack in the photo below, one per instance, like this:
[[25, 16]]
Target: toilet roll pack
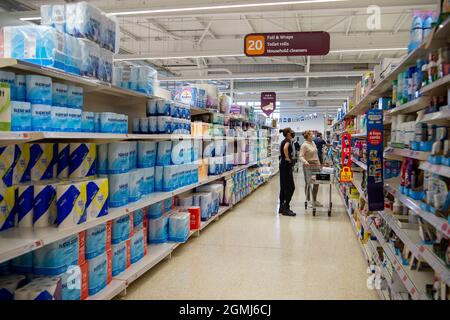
[[44, 288], [98, 240], [138, 245], [139, 219], [9, 284], [122, 228], [178, 226], [121, 255], [100, 272], [158, 229], [204, 200]]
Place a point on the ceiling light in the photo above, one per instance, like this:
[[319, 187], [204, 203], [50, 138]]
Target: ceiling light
[[30, 19], [368, 50], [230, 6]]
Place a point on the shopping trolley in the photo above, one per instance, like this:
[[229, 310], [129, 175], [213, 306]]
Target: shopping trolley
[[317, 174]]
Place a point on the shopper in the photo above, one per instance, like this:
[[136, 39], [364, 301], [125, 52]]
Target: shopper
[[310, 158], [320, 143], [287, 185]]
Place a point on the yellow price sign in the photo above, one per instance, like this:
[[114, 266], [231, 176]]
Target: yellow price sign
[[346, 174]]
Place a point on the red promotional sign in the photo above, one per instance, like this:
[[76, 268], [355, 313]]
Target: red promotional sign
[[268, 102], [346, 172], [375, 137], [315, 43]]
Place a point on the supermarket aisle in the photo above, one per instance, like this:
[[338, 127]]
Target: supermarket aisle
[[253, 253]]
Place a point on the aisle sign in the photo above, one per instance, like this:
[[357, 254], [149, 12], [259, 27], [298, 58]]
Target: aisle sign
[[268, 102], [375, 181], [346, 152], [315, 43]]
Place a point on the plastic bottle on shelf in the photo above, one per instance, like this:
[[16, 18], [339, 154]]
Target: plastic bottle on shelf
[[416, 36]]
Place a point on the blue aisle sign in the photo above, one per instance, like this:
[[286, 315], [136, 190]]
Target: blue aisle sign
[[375, 182]]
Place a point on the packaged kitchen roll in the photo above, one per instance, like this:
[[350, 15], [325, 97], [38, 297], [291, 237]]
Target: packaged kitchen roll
[[118, 189], [9, 284], [118, 157], [138, 219], [82, 160], [54, 258], [159, 178], [44, 210], [146, 154], [155, 210], [97, 196], [24, 205], [179, 226], [41, 161], [98, 272], [149, 181], [70, 204], [157, 229]]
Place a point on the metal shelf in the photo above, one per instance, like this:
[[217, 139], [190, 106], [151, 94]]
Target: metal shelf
[[441, 117], [437, 88], [18, 241], [114, 288], [410, 107], [362, 165], [419, 155], [436, 169]]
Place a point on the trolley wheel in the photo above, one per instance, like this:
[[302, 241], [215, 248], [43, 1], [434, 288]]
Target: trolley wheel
[[314, 212], [329, 213]]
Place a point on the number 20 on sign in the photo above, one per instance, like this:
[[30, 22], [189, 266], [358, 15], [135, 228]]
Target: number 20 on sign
[[255, 45]]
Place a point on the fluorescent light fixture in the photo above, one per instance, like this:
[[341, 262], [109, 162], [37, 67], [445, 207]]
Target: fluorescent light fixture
[[228, 6], [30, 19], [369, 50], [180, 57]]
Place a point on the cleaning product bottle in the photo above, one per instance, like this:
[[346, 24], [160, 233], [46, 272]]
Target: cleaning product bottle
[[416, 36], [427, 24]]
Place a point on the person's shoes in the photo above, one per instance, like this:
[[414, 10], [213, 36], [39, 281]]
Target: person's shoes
[[288, 212], [281, 209], [317, 204]]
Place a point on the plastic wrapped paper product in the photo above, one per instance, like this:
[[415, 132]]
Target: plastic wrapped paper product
[[41, 45], [7, 214], [155, 210], [146, 80], [40, 289], [179, 226], [120, 257], [158, 229], [110, 34], [84, 21], [138, 245], [9, 284], [54, 16], [105, 65], [20, 116], [90, 58], [72, 52]]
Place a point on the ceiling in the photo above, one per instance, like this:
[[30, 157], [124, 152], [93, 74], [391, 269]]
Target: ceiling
[[202, 43]]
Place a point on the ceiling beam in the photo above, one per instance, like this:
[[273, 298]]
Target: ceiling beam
[[163, 30], [292, 90], [350, 20], [400, 21], [338, 22], [250, 25], [298, 19], [204, 33]]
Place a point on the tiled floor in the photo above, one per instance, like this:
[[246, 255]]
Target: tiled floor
[[253, 253]]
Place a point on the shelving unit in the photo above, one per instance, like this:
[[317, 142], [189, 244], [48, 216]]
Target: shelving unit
[[395, 152], [360, 164]]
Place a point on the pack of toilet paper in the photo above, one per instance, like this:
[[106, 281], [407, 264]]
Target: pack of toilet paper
[[41, 117], [74, 283], [155, 210], [228, 192], [100, 272], [149, 181], [179, 226], [24, 205], [41, 161], [55, 258], [138, 246], [102, 159], [48, 288], [105, 68], [44, 204], [136, 185], [9, 78], [70, 204], [185, 200], [46, 47], [90, 58], [98, 240], [158, 229], [146, 153], [118, 157], [83, 20], [23, 264], [72, 52], [164, 151], [97, 198], [122, 228], [118, 189], [82, 160], [74, 97], [159, 171], [87, 122], [138, 219], [217, 191], [20, 116], [181, 152], [121, 255], [7, 201], [8, 160], [9, 284], [21, 172], [20, 87], [204, 200]]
